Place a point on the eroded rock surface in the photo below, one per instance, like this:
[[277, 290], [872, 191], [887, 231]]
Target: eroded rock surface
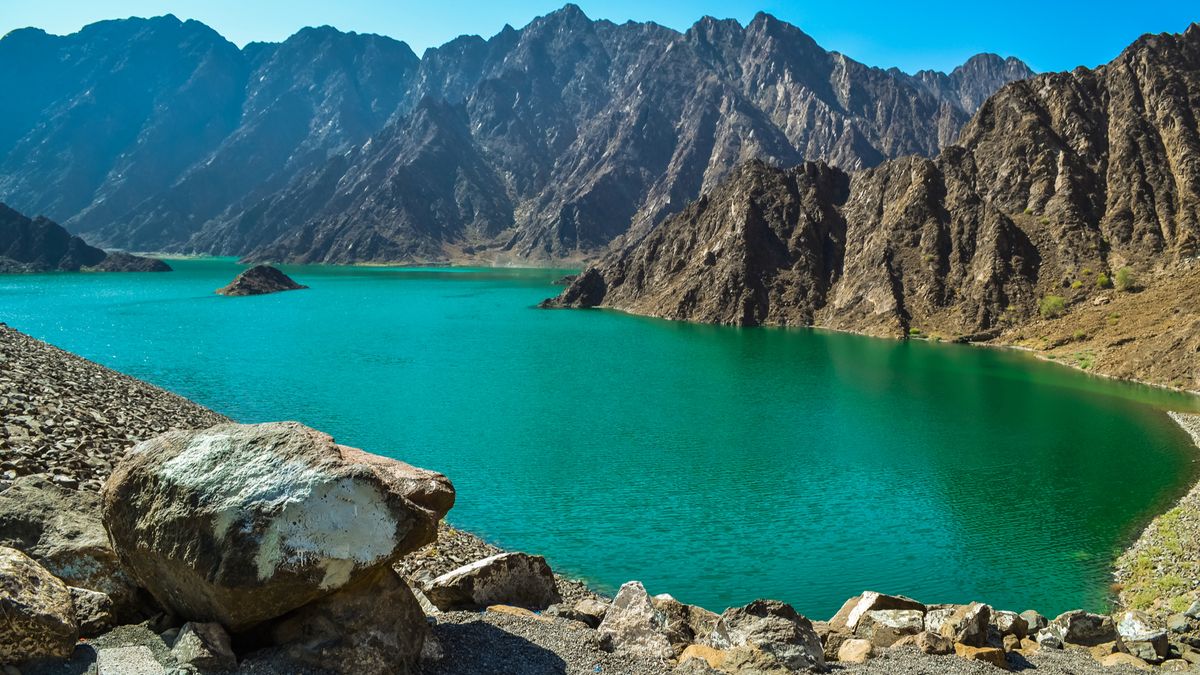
[[514, 578], [37, 617]]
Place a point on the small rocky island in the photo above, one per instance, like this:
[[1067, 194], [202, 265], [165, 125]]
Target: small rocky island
[[42, 245], [260, 280]]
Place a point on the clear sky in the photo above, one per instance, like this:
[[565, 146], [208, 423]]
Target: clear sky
[[939, 34]]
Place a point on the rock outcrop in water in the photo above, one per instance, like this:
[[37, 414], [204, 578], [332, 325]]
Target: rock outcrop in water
[[41, 245], [1058, 188], [542, 142], [260, 280]]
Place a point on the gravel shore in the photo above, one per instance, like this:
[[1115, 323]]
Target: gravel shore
[[66, 417]]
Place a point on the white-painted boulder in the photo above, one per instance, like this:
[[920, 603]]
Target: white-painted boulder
[[1141, 637], [243, 523], [516, 579], [848, 616]]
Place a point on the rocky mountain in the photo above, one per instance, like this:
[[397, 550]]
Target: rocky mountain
[[546, 142], [1060, 188], [41, 245]]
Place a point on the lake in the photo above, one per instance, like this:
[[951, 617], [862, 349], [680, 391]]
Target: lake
[[716, 464]]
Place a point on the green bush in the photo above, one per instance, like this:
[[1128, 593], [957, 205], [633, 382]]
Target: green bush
[[1087, 271], [1077, 284], [1052, 306], [914, 331], [1103, 281], [1125, 280]]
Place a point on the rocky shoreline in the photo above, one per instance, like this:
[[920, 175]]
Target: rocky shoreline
[[68, 423]]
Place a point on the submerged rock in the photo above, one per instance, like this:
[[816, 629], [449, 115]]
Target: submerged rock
[[516, 579], [38, 617], [260, 280], [244, 523]]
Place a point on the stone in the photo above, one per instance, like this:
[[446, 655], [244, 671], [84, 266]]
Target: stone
[[1141, 637], [1085, 629], [372, 627], [1178, 623], [1009, 623], [1122, 659], [933, 643], [137, 660], [61, 530], [1175, 665], [1011, 643], [1034, 621], [935, 618], [243, 523], [93, 611], [516, 611], [1030, 646], [969, 625], [1050, 637], [260, 280], [853, 609], [1193, 609], [714, 658], [1102, 650], [39, 618], [634, 625], [768, 635], [683, 624], [991, 655], [205, 646], [832, 640], [883, 627], [516, 579], [587, 611], [855, 650]]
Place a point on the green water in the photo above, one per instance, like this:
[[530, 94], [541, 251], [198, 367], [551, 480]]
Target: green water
[[716, 464]]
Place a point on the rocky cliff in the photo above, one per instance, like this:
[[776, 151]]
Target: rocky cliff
[[543, 142], [1064, 193], [41, 245]]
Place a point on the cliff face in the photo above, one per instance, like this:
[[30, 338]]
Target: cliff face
[[555, 138], [1057, 183]]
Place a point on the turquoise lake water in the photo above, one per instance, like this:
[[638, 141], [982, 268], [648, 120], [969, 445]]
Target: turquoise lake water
[[716, 464]]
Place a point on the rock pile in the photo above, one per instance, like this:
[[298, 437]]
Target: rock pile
[[260, 280]]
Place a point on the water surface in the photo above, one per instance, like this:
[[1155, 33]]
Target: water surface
[[717, 464]]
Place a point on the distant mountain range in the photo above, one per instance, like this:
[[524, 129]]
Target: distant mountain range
[[544, 143], [41, 245]]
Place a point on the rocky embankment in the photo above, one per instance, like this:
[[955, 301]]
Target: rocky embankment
[[260, 280], [270, 548], [42, 245], [1053, 223]]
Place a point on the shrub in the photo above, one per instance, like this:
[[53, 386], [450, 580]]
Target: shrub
[[914, 331], [1078, 335], [1044, 220], [1077, 284], [1052, 306], [1087, 271], [1125, 280], [1103, 281]]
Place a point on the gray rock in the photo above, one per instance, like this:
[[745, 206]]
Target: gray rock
[[137, 660], [61, 529], [936, 618], [853, 609], [884, 627], [634, 625], [93, 611], [1034, 621], [1193, 610], [1141, 638], [1178, 623], [205, 646], [768, 635], [587, 611], [1085, 629], [244, 523], [1009, 623], [1050, 637], [373, 627], [38, 617], [515, 579], [969, 625]]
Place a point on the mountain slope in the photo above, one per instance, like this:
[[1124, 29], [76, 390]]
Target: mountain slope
[[41, 245], [1056, 184], [593, 130]]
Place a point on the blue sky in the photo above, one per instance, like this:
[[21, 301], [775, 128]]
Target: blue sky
[[910, 35]]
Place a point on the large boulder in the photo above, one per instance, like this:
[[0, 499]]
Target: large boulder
[[1009, 623], [1142, 637], [1084, 628], [969, 625], [37, 618], [243, 523], [768, 636], [885, 627], [683, 624], [61, 530], [634, 625], [853, 609], [516, 579], [373, 627]]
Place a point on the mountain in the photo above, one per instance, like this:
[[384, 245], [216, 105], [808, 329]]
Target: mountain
[[545, 142], [1060, 187], [41, 245]]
